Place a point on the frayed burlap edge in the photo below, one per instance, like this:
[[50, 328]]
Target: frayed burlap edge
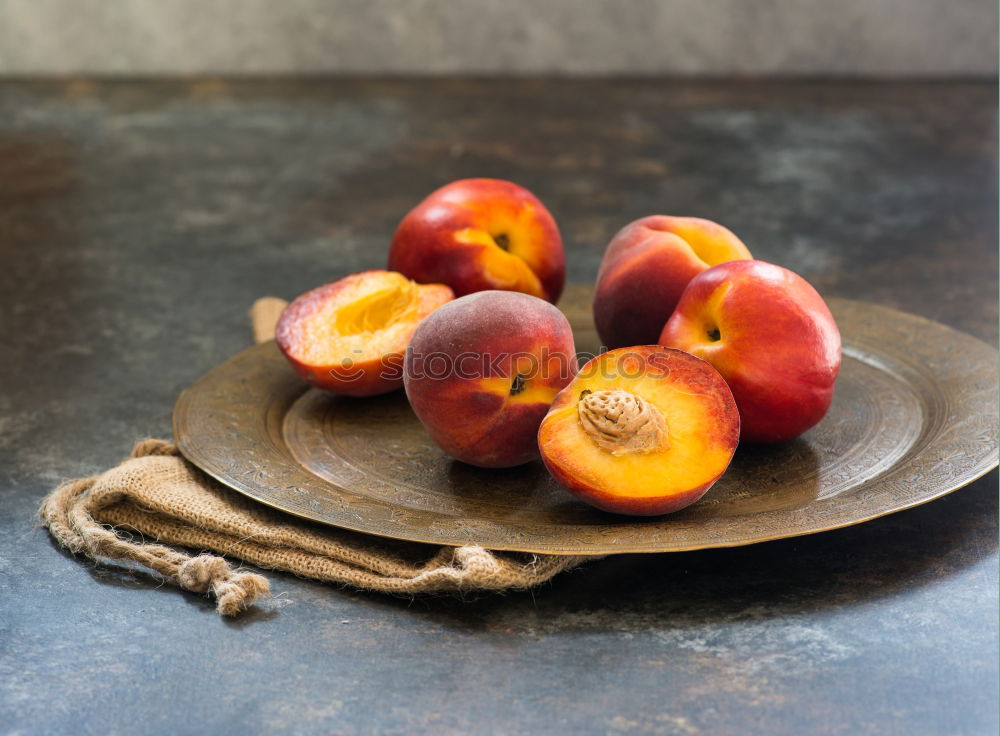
[[71, 514], [164, 498]]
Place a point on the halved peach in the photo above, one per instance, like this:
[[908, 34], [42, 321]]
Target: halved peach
[[643, 430], [349, 337]]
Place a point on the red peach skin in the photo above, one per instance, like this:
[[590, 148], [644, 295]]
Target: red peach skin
[[481, 373], [645, 269], [770, 335], [481, 234]]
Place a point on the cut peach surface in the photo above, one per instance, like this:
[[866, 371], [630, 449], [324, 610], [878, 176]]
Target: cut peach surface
[[349, 336], [642, 430]]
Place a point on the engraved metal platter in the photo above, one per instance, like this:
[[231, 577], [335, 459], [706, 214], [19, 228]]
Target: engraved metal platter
[[914, 417]]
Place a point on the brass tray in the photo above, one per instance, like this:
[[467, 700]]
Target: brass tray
[[914, 417]]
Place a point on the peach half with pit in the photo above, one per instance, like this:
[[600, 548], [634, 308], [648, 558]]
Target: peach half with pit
[[481, 372], [349, 336], [641, 430]]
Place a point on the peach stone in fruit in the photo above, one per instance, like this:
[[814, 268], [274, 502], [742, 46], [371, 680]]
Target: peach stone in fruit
[[349, 336], [642, 430], [645, 269], [622, 423]]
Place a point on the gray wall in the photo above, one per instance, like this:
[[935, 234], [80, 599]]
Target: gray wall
[[837, 37]]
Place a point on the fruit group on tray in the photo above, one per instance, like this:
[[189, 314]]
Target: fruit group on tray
[[481, 372], [641, 430], [645, 269], [747, 351], [772, 338], [481, 234], [349, 336]]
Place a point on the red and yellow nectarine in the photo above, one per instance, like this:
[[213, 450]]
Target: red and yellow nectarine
[[479, 234], [481, 372], [772, 338], [645, 269]]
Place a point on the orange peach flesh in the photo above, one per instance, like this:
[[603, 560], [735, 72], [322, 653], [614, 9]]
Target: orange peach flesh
[[362, 322], [367, 319], [701, 427]]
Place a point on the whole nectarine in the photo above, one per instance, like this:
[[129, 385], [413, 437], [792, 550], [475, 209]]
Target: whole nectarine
[[645, 269], [481, 372], [479, 234], [772, 338]]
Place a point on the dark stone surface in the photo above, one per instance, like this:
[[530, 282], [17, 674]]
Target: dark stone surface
[[139, 220]]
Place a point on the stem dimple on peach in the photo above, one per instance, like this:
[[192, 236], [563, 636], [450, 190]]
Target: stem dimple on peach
[[622, 423]]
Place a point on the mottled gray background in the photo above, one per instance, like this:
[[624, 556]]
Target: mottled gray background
[[712, 37]]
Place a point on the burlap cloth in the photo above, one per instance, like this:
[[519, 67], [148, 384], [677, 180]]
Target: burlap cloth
[[154, 498]]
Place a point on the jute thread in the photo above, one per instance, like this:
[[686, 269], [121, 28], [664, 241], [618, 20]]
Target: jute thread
[[156, 493]]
